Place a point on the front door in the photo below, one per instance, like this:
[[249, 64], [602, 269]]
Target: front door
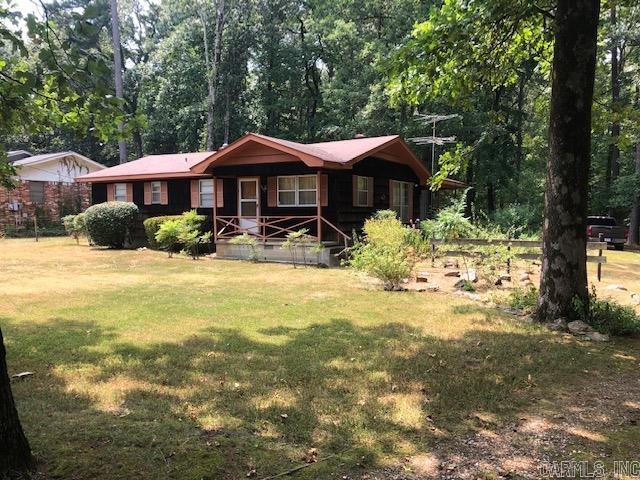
[[249, 203]]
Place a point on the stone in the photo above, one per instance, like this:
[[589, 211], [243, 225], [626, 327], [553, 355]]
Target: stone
[[597, 337], [505, 277], [422, 277], [452, 273], [513, 311], [470, 276], [578, 327], [558, 325], [616, 287], [524, 276], [635, 298], [432, 288], [498, 282], [450, 263]]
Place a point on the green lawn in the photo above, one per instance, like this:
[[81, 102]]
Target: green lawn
[[149, 367]]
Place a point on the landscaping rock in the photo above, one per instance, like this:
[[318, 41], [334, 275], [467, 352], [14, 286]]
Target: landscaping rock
[[452, 273], [635, 298], [498, 282], [597, 337], [432, 288], [558, 325], [616, 287], [524, 276], [578, 327], [422, 277], [450, 263], [505, 277], [470, 276]]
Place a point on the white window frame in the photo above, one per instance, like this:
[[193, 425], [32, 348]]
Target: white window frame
[[200, 193], [158, 192], [359, 190], [297, 191], [116, 196], [398, 208]]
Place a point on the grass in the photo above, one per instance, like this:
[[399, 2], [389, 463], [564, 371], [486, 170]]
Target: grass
[[149, 367]]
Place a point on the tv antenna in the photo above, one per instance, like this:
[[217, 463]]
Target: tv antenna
[[433, 140]]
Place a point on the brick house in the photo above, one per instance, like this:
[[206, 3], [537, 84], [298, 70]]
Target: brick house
[[45, 188]]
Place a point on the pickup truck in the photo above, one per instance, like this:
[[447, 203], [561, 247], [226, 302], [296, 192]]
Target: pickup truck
[[612, 233]]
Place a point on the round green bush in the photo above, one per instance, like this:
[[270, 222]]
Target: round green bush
[[109, 224]]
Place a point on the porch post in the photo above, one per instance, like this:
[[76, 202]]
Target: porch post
[[215, 209], [319, 207]]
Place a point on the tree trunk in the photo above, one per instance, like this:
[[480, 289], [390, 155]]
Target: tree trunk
[[213, 65], [564, 270], [520, 127], [15, 453], [491, 198], [117, 71], [471, 193], [613, 160], [634, 223]]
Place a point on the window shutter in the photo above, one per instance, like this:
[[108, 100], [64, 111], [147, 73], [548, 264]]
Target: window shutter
[[164, 194], [111, 192], [410, 201], [129, 192], [370, 191], [219, 187], [195, 193], [324, 189], [147, 193], [272, 191], [354, 190]]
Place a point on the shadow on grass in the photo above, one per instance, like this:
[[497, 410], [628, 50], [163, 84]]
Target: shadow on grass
[[222, 403]]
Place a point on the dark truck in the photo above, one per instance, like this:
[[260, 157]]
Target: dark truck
[[612, 233]]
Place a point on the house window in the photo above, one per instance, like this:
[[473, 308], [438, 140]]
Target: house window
[[156, 189], [206, 193], [36, 192], [120, 192], [400, 199], [297, 191], [362, 191]]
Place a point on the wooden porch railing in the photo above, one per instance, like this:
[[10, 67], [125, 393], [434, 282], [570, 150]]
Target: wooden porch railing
[[273, 227]]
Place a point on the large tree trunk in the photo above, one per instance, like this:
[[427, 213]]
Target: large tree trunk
[[613, 160], [634, 223], [213, 66], [564, 270], [117, 70], [15, 454]]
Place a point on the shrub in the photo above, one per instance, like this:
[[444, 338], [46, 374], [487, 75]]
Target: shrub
[[109, 224], [152, 225], [383, 253], [184, 231], [168, 235], [299, 239], [75, 226], [608, 316], [250, 242]]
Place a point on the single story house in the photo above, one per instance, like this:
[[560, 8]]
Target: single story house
[[269, 187], [45, 187]]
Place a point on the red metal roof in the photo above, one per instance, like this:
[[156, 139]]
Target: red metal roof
[[335, 154], [152, 166], [339, 151]]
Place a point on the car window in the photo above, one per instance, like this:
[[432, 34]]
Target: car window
[[606, 221]]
